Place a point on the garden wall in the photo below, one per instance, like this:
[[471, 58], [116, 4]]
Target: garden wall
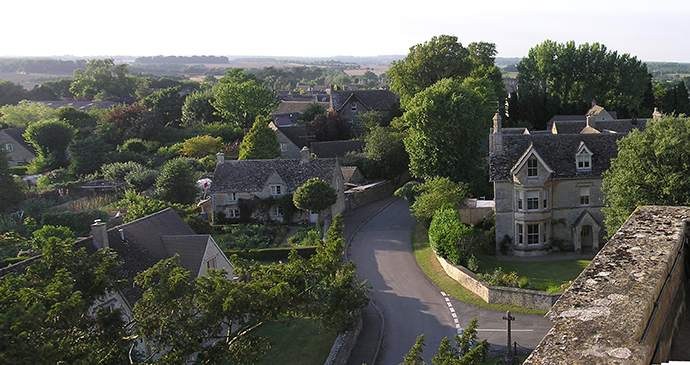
[[363, 195], [525, 298], [342, 348]]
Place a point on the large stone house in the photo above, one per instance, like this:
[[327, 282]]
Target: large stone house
[[238, 183], [18, 150], [547, 184]]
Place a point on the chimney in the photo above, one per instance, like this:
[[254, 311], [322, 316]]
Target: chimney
[[496, 138], [592, 121], [657, 114], [220, 157], [306, 155], [497, 123], [99, 232]]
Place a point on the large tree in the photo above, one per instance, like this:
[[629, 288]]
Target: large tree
[[10, 191], [385, 153], [240, 99], [103, 80], [315, 195], [447, 123], [329, 127], [562, 78], [165, 106], [198, 109], [177, 182], [11, 93], [50, 139], [651, 169], [25, 113], [468, 350], [260, 142]]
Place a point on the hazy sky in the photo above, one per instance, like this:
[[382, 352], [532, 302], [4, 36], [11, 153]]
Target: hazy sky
[[651, 30]]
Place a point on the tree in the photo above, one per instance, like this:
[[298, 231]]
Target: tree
[[260, 142], [177, 182], [329, 127], [10, 191], [202, 146], [11, 93], [651, 169], [468, 350], [447, 123], [385, 152], [482, 53], [103, 80], [241, 99], [440, 58], [52, 90], [557, 78], [315, 195], [434, 194], [25, 113], [165, 106], [311, 112], [50, 139], [87, 155], [198, 109]]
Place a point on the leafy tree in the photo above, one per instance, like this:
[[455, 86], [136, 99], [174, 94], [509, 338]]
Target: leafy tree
[[80, 120], [449, 238], [557, 78], [434, 194], [11, 93], [240, 99], [50, 139], [198, 109], [177, 182], [315, 195], [165, 106], [25, 113], [139, 206], [10, 191], [385, 152], [651, 169], [482, 53], [87, 155], [134, 145], [260, 142], [133, 121], [103, 80], [440, 58], [447, 123], [311, 112], [52, 90], [468, 350], [202, 146], [329, 127]]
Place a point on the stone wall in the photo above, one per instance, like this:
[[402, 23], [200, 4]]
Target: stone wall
[[497, 294], [342, 348], [627, 305], [364, 195]]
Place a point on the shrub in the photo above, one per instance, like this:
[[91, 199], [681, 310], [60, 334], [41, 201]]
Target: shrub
[[251, 236], [142, 179], [118, 170], [55, 179], [135, 145], [449, 238], [307, 236], [78, 222], [500, 278]]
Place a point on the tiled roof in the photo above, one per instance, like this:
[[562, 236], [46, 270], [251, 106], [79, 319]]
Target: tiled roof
[[253, 175], [618, 125], [291, 107], [17, 135], [297, 134], [382, 100], [558, 152], [332, 149]]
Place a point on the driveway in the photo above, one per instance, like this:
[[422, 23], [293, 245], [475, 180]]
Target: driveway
[[405, 302]]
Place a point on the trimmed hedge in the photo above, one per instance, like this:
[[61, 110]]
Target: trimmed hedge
[[271, 254]]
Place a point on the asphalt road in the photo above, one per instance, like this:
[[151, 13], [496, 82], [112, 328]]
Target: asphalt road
[[411, 304]]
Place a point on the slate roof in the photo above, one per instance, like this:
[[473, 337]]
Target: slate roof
[[79, 105], [297, 134], [558, 152], [618, 126], [17, 135], [253, 175], [292, 107], [331, 149], [382, 100]]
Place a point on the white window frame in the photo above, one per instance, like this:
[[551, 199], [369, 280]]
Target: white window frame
[[520, 234], [584, 161], [276, 211], [585, 195], [533, 200], [545, 200], [232, 197], [532, 168], [233, 213], [9, 147], [520, 200], [532, 234], [283, 147], [276, 189]]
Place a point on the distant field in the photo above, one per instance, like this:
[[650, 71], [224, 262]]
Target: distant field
[[30, 80], [377, 69]]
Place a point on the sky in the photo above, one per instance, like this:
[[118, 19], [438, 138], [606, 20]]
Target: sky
[[651, 30]]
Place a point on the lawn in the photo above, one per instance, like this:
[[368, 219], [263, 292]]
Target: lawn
[[541, 274], [302, 342]]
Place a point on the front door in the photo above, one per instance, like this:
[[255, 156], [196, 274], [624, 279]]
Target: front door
[[586, 238]]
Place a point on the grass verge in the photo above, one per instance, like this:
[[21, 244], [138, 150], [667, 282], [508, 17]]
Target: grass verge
[[430, 265], [298, 342]]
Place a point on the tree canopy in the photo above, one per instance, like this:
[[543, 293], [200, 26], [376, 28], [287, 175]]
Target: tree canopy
[[177, 182], [50, 139], [103, 80], [25, 113], [651, 169], [260, 142], [468, 350], [315, 195], [240, 98], [10, 191]]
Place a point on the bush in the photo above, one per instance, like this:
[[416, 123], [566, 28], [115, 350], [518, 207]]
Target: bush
[[252, 236], [78, 222], [272, 254], [307, 236], [142, 179], [55, 179], [135, 145], [500, 278], [449, 238]]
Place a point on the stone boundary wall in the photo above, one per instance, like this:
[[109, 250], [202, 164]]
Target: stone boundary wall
[[358, 198], [525, 298], [342, 348]]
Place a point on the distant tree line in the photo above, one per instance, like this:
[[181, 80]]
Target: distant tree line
[[182, 59], [40, 65]]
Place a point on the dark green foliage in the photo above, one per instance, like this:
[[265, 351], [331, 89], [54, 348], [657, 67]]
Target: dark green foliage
[[55, 179], [450, 238], [307, 236], [78, 222], [500, 278], [80, 120], [468, 350], [260, 142], [385, 152], [11, 93], [329, 127], [414, 357], [273, 254], [87, 155], [165, 106], [199, 224], [139, 206], [315, 195], [177, 182], [311, 112], [433, 195], [141, 179], [408, 191], [50, 139], [240, 99], [226, 131], [103, 80], [651, 169], [252, 236], [10, 191], [198, 109], [135, 145]]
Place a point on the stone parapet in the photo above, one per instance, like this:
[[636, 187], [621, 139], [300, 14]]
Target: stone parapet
[[625, 307]]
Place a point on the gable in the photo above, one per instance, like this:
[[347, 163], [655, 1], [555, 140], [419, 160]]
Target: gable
[[530, 153]]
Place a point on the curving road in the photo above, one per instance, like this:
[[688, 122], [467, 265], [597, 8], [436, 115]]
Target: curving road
[[411, 304]]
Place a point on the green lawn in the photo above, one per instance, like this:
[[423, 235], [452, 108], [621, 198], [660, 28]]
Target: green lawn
[[302, 342], [541, 274]]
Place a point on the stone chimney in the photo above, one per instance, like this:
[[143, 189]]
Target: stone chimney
[[220, 157], [657, 114], [305, 155], [496, 146], [497, 123], [99, 232], [592, 121]]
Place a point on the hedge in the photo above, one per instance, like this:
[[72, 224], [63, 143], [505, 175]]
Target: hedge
[[78, 222], [271, 254]]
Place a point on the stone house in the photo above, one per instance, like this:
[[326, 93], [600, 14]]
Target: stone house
[[289, 111], [547, 184], [351, 103], [241, 187], [291, 138], [19, 152]]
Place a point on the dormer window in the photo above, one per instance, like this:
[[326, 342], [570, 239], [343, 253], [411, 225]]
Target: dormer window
[[583, 159], [353, 105], [532, 168], [276, 190]]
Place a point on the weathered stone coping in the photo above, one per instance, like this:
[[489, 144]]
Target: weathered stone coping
[[343, 345], [525, 298], [603, 317]]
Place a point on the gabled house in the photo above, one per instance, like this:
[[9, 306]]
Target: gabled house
[[331, 149], [350, 103], [289, 111], [18, 150], [237, 183], [291, 138], [547, 184]]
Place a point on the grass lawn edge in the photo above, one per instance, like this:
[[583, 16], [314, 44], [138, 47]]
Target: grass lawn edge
[[433, 269]]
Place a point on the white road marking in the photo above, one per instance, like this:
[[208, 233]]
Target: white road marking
[[458, 328]]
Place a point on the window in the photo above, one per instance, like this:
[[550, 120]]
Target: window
[[283, 147], [276, 190], [532, 170], [353, 105], [584, 195], [233, 213], [532, 200], [232, 197], [584, 162], [546, 232], [519, 200], [532, 234], [9, 147], [546, 199], [276, 211], [211, 263], [520, 234]]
